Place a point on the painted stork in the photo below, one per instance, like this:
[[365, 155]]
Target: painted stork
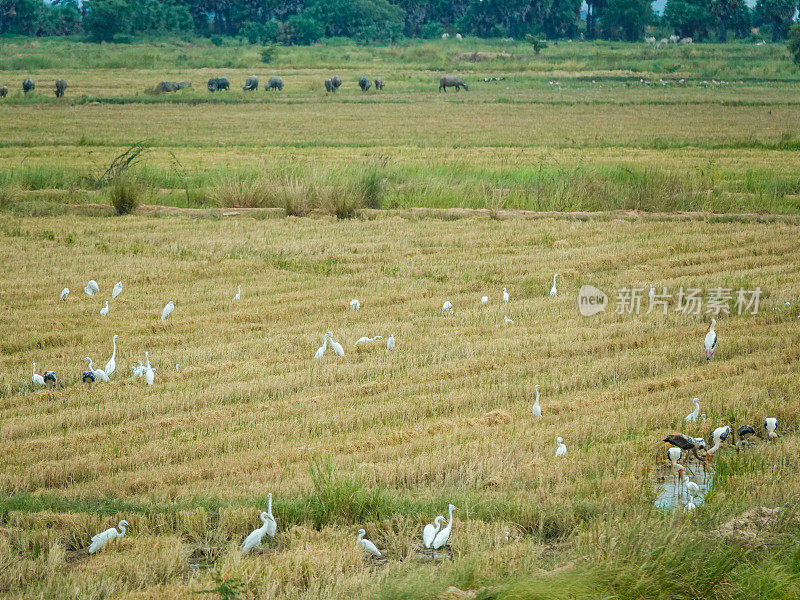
[[50, 378], [711, 340], [771, 426], [719, 435], [743, 435], [684, 442]]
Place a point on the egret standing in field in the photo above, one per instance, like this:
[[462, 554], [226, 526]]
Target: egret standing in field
[[321, 350], [100, 540], [561, 447], [366, 340], [257, 535], [91, 288], [355, 304], [64, 293], [390, 343], [137, 370], [771, 426], [104, 310], [430, 531], [710, 341], [117, 290], [447, 306], [36, 378], [111, 365], [98, 373], [170, 306], [149, 374], [238, 295], [692, 416], [272, 526], [554, 290], [537, 410], [505, 296], [444, 535], [371, 549], [337, 347], [485, 300]]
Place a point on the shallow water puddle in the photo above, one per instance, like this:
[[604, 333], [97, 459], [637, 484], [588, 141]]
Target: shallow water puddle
[[672, 495]]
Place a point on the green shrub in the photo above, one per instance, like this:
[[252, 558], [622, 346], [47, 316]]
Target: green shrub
[[125, 194]]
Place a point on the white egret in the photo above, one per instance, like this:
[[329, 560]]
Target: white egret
[[50, 378], [100, 540], [117, 290], [710, 342], [91, 288], [355, 304], [257, 535], [64, 293], [37, 379], [447, 306], [390, 343], [111, 365], [692, 416], [771, 425], [505, 296], [554, 290], [719, 435], [321, 350], [238, 295], [691, 487], [272, 526], [367, 545], [104, 310], [537, 410], [170, 306], [367, 340], [149, 374], [98, 373], [138, 369], [561, 448], [337, 347], [430, 531], [485, 300], [444, 535], [507, 320], [177, 367]]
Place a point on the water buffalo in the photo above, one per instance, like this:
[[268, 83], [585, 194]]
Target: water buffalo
[[336, 81], [378, 83], [216, 84], [329, 86], [172, 86], [363, 83], [3, 91], [251, 84], [452, 81], [274, 83], [61, 85], [28, 85]]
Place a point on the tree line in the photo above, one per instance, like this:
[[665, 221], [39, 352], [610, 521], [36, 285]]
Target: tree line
[[388, 21]]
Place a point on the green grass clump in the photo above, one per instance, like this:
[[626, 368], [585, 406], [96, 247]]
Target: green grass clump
[[126, 194]]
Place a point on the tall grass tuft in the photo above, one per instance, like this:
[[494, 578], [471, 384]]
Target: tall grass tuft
[[125, 194]]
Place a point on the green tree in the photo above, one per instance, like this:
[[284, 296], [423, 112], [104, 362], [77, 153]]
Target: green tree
[[689, 18], [626, 19], [106, 18], [778, 14], [594, 11], [794, 43], [728, 15], [23, 17]]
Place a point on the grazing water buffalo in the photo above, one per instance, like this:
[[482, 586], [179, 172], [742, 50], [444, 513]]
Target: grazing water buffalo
[[363, 83], [378, 83], [274, 84], [3, 92], [216, 84], [61, 85], [452, 81], [28, 85], [329, 86], [336, 81], [251, 84], [172, 86]]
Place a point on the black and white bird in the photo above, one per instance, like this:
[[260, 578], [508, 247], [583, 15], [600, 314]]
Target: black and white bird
[[710, 341], [743, 435], [678, 470], [64, 293], [88, 377], [91, 288], [50, 378], [685, 443], [719, 435], [771, 426]]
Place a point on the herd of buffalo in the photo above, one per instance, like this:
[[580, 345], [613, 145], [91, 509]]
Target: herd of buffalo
[[217, 84]]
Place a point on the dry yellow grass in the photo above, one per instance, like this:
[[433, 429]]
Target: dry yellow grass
[[446, 416]]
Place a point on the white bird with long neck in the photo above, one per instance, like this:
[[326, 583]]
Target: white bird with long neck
[[537, 410], [98, 373], [91, 288], [257, 535], [390, 343], [64, 293], [101, 539], [170, 306], [444, 535], [355, 304], [505, 296], [272, 526], [117, 290], [692, 488], [367, 545], [430, 531], [238, 295], [692, 416], [554, 289], [719, 435], [561, 448], [111, 365], [771, 426], [710, 342], [138, 369], [337, 347], [149, 374], [447, 306], [36, 379], [104, 310], [321, 350], [367, 340]]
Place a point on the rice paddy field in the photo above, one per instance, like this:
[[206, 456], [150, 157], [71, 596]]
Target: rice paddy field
[[309, 200]]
